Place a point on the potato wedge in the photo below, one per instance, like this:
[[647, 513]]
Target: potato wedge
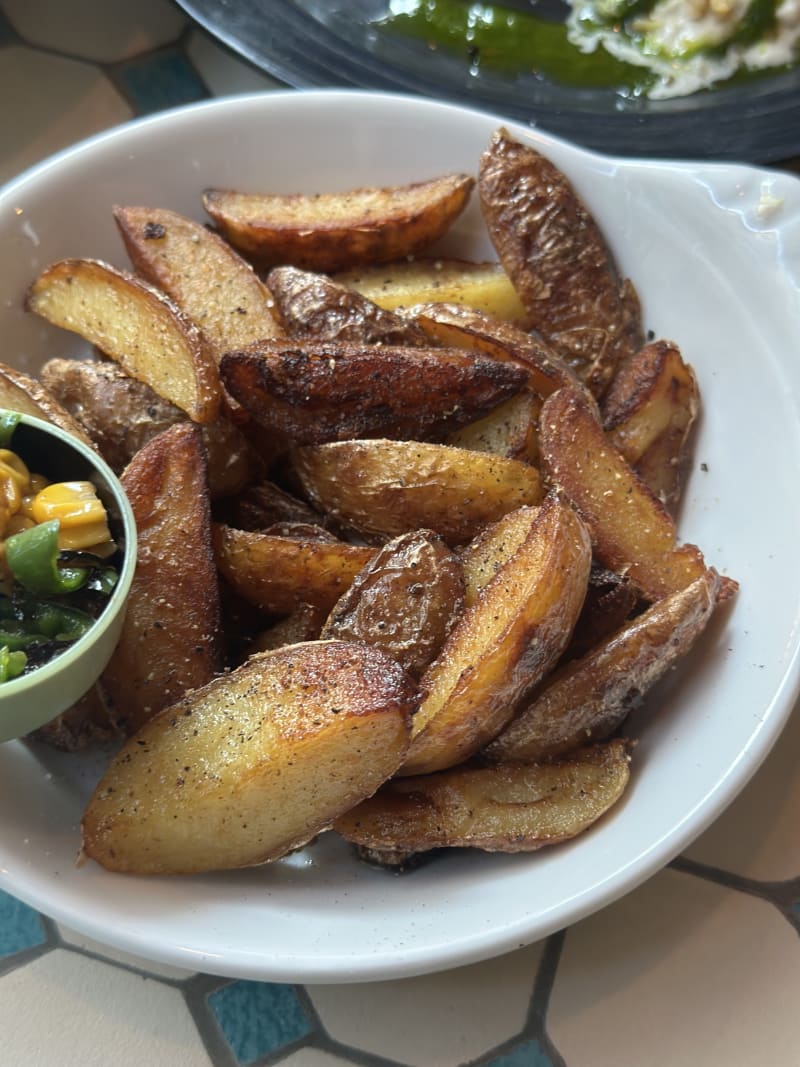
[[264, 504], [402, 284], [387, 488], [85, 724], [304, 624], [281, 574], [404, 601], [588, 698], [19, 392], [631, 530], [134, 324], [313, 306], [509, 430], [610, 601], [121, 415], [217, 289], [462, 327], [318, 391], [171, 638], [335, 231], [504, 644], [558, 260], [254, 764], [514, 808], [649, 413]]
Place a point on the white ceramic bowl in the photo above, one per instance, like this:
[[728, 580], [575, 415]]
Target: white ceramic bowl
[[33, 699], [715, 253]]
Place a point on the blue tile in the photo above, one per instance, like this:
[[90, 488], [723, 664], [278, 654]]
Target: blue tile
[[528, 1054], [20, 926], [258, 1018], [159, 80]]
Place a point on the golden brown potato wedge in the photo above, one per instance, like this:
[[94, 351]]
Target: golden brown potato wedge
[[207, 279], [463, 327], [492, 548], [404, 601], [313, 306], [304, 624], [254, 764], [334, 231], [19, 392], [281, 574], [405, 283], [503, 645], [588, 698], [508, 430], [558, 260], [631, 530], [171, 638], [121, 415], [649, 413], [514, 808], [387, 488], [317, 391], [134, 324], [264, 504]]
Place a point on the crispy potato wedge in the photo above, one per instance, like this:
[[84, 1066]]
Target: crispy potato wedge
[[19, 392], [254, 764], [134, 324], [264, 504], [649, 413], [558, 260], [402, 284], [504, 644], [319, 391], [463, 327], [171, 639], [304, 624], [281, 574], [492, 548], [85, 724], [387, 488], [588, 698], [631, 530], [404, 601], [334, 231], [610, 600], [513, 808], [208, 280], [121, 414], [313, 306], [508, 430]]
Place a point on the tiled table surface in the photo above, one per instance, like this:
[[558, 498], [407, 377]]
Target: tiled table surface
[[700, 966]]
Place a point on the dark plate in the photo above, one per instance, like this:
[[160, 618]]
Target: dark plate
[[312, 43]]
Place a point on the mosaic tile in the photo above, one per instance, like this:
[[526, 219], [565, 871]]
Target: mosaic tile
[[102, 1015], [257, 1018], [163, 970], [33, 129], [642, 966], [483, 1005], [158, 81], [105, 32], [222, 72], [20, 926], [757, 835]]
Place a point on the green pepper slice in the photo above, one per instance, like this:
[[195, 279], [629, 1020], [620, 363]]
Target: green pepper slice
[[12, 664], [9, 420], [32, 557]]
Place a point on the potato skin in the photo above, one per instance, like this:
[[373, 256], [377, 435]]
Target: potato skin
[[391, 487], [254, 764], [336, 231], [558, 260], [313, 392], [19, 392], [404, 601], [515, 807], [122, 414], [171, 639]]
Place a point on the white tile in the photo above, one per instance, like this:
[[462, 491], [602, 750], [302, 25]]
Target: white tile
[[434, 1021], [757, 835], [72, 937], [34, 128], [101, 1015], [222, 72], [106, 32], [679, 973]]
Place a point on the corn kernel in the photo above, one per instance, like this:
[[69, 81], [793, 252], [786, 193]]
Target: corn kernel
[[12, 466], [89, 535], [73, 503]]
